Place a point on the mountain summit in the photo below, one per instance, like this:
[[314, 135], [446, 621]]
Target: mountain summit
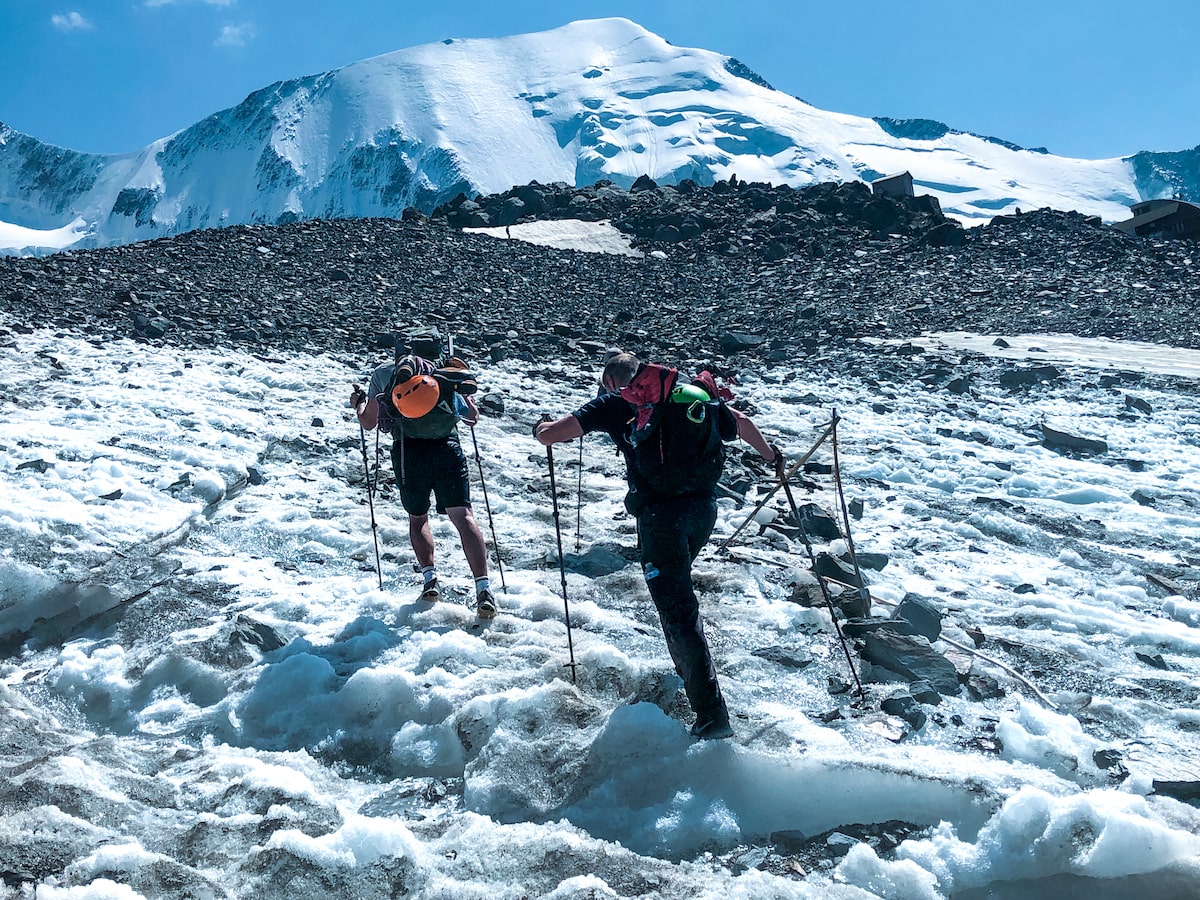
[[598, 99]]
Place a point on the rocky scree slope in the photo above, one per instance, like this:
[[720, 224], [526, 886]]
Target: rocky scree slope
[[736, 274]]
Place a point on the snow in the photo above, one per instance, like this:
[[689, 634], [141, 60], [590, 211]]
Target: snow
[[595, 99], [568, 234], [328, 750], [17, 237]]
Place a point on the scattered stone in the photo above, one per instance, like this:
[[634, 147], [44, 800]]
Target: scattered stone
[[1156, 660], [1061, 440], [1029, 376], [787, 657], [1137, 403], [835, 684], [981, 686], [923, 692], [912, 657], [921, 614], [907, 708]]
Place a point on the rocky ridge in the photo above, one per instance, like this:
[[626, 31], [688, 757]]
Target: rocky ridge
[[736, 274]]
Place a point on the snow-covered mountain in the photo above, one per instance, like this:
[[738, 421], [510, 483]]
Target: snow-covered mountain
[[591, 100]]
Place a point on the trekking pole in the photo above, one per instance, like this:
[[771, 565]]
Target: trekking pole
[[488, 507], [562, 568], [579, 500], [771, 493], [787, 489], [837, 478], [362, 439]]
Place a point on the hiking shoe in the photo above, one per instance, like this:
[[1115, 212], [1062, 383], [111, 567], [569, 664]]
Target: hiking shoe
[[431, 594], [712, 728], [485, 605]]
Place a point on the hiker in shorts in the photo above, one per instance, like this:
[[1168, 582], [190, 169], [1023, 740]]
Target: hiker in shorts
[[675, 512], [420, 403]]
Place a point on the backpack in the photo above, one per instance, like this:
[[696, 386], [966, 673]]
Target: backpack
[[453, 379], [679, 434]]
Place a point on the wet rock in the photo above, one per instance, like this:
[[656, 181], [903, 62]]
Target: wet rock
[[981, 686], [923, 692], [1055, 439], [256, 634], [862, 626], [818, 524], [1138, 404], [907, 708], [1029, 376], [911, 657], [1154, 660], [787, 657], [921, 614], [829, 566]]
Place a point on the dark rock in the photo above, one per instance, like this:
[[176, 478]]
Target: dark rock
[[784, 656], [1106, 758], [911, 657], [923, 692], [491, 405], [819, 524], [1137, 403], [831, 567], [907, 708], [835, 684], [1029, 376], [1185, 791], [876, 562], [1156, 660], [983, 687], [1060, 440], [921, 614], [739, 341], [860, 626], [257, 634]]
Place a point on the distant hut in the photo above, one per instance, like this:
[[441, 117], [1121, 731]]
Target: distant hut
[[898, 185], [1170, 218]]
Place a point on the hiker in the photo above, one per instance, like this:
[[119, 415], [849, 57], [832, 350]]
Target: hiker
[[675, 505], [420, 404]]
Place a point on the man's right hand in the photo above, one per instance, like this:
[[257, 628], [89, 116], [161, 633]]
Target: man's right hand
[[357, 397]]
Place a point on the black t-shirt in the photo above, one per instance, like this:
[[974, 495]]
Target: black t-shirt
[[614, 415]]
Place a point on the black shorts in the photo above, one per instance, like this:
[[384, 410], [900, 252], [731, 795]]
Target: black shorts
[[436, 466]]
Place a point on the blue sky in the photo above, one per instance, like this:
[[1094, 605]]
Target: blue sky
[[1091, 79]]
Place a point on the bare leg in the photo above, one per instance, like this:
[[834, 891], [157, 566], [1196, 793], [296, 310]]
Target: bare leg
[[421, 537], [473, 544]]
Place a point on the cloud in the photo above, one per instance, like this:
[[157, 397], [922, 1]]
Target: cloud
[[152, 4], [235, 35], [72, 21]]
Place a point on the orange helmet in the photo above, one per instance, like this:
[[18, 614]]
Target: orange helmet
[[417, 396]]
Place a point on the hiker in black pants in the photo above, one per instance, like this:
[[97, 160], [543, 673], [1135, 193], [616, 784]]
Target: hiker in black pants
[[675, 511], [420, 404]]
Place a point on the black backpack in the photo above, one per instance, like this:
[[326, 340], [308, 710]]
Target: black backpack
[[679, 436]]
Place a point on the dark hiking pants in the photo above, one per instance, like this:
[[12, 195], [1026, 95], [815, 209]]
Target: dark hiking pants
[[673, 531]]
